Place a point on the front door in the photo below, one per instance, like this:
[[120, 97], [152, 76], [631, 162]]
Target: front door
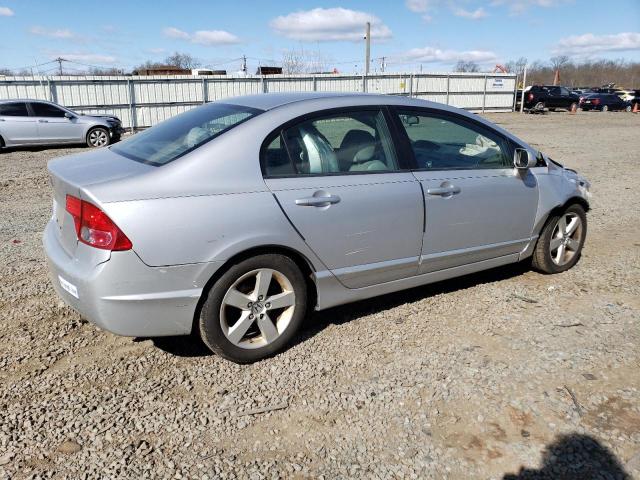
[[477, 206], [337, 178], [53, 126], [16, 126]]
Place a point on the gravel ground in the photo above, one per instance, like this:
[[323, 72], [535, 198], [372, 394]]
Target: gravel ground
[[506, 374]]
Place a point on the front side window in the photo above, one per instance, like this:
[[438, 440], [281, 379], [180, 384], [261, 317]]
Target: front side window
[[339, 143], [18, 109], [47, 110], [180, 135], [450, 143]]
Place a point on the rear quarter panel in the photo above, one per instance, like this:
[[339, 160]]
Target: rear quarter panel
[[194, 229]]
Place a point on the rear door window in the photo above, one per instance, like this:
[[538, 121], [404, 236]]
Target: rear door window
[[18, 109], [46, 110], [335, 143]]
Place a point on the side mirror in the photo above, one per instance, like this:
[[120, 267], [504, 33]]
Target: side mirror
[[410, 120], [524, 159], [68, 115]]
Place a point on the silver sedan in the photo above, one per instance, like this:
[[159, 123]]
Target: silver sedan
[[235, 218], [38, 122]]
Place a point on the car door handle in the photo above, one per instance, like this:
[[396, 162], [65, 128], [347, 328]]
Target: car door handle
[[319, 201], [43, 121], [443, 191]]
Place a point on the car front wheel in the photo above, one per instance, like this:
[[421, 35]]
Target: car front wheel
[[560, 243], [254, 309], [98, 137]]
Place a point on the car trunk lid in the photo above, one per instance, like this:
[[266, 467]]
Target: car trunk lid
[[73, 175]]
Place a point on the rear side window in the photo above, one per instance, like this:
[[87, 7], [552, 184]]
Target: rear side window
[[452, 143], [18, 109], [180, 135], [46, 110], [336, 143]]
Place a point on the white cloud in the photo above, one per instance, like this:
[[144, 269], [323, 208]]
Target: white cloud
[[63, 33], [173, 32], [421, 6], [92, 58], [437, 55], [214, 37], [156, 51], [589, 43], [203, 37], [329, 24], [472, 15], [6, 12]]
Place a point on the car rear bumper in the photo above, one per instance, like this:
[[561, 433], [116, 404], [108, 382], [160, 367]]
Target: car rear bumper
[[123, 295]]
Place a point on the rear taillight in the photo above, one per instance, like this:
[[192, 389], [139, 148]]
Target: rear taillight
[[596, 101], [94, 227], [531, 97]]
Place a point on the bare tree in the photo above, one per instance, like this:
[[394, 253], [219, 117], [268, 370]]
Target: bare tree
[[590, 73], [517, 66], [5, 71], [467, 66], [182, 60], [105, 71], [293, 62], [559, 62]]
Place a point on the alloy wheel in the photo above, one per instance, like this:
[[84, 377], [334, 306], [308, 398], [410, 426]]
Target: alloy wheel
[[566, 238], [98, 138], [257, 308]]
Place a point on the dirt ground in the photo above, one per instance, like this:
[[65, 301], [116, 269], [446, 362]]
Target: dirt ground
[[505, 374]]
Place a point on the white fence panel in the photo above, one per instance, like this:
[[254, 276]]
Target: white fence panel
[[146, 100]]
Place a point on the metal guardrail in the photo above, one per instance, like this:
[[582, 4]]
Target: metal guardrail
[[142, 101]]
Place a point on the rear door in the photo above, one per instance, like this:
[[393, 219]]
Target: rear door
[[53, 126], [477, 206], [16, 126], [338, 178]]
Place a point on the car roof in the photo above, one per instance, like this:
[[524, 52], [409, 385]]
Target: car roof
[[30, 100], [269, 101]]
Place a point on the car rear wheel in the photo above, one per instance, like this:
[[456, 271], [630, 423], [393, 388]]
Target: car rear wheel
[[98, 137], [560, 244], [628, 108], [254, 309], [605, 108]]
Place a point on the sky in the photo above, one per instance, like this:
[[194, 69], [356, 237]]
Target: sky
[[431, 35]]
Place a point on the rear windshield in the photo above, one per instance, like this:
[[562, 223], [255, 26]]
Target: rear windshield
[[179, 135]]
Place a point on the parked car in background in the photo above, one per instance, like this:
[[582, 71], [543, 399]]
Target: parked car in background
[[233, 219], [38, 122], [604, 102], [550, 97]]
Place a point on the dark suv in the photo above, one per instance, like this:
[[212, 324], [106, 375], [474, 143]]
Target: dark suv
[[539, 97]]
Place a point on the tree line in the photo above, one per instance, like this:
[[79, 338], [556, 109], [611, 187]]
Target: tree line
[[584, 73]]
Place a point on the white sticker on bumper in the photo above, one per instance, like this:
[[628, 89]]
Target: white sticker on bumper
[[69, 287]]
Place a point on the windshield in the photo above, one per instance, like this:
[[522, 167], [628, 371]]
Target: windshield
[[179, 135]]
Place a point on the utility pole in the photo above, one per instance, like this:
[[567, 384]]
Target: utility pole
[[59, 60], [244, 63], [524, 85], [367, 49], [383, 64]]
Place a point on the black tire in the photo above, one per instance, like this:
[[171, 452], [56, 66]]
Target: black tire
[[628, 108], [1, 144], [542, 257], [605, 108], [102, 137], [210, 325]]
